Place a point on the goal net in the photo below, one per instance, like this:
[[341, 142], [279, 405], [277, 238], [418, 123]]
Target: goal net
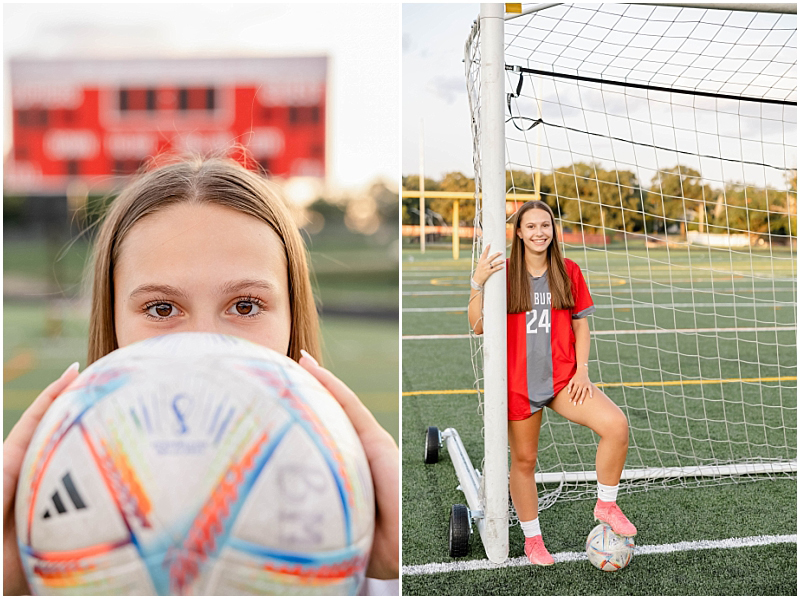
[[664, 139]]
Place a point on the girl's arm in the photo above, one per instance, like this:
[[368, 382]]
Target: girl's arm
[[475, 311], [580, 387], [487, 265]]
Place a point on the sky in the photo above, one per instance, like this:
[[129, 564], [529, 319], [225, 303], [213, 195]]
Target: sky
[[362, 42], [435, 99], [435, 89]]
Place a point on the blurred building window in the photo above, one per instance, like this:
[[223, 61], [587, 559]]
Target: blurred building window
[[32, 117], [128, 166], [137, 99], [151, 99], [300, 115], [196, 98], [73, 168]]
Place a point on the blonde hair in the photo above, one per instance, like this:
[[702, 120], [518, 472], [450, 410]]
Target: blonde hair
[[218, 181], [519, 290]]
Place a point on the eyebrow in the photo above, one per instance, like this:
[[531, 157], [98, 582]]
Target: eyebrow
[[161, 289], [236, 286], [225, 288]]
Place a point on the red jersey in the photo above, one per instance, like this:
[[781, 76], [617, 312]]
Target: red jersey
[[541, 345]]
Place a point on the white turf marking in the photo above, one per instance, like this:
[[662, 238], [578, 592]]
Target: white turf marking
[[618, 291], [630, 332], [632, 306], [436, 293], [436, 273], [573, 556]]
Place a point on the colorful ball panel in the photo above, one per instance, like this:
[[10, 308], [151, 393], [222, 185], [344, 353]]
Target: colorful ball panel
[[195, 464]]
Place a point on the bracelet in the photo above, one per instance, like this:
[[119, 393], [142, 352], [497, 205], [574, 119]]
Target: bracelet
[[474, 285]]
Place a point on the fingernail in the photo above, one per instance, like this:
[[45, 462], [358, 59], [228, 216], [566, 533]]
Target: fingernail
[[309, 356], [76, 366]]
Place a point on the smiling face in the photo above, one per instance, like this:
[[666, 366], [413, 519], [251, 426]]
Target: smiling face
[[202, 268], [535, 230]]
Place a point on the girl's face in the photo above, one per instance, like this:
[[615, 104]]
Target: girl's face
[[202, 268], [536, 230]]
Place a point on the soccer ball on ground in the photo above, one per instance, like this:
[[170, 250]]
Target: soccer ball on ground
[[195, 464], [608, 551]]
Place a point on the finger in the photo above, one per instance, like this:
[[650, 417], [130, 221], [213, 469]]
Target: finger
[[591, 388], [23, 430], [358, 414], [19, 438], [485, 251], [383, 457]]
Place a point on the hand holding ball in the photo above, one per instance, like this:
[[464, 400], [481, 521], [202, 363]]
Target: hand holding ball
[[195, 464]]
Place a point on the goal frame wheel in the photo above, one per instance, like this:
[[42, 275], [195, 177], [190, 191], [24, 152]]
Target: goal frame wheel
[[459, 532], [432, 438]]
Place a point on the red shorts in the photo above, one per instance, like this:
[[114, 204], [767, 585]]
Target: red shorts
[[521, 407]]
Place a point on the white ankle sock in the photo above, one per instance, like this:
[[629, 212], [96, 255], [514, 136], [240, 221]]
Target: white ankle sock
[[530, 528], [607, 493]]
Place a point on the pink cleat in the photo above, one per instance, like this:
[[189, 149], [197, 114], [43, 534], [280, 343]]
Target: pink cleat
[[609, 513], [537, 553]]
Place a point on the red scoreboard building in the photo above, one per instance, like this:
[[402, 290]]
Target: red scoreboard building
[[96, 120]]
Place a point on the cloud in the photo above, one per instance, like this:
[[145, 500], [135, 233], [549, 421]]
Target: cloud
[[447, 88]]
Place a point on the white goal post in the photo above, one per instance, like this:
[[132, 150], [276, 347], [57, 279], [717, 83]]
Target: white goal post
[[493, 223], [664, 138]]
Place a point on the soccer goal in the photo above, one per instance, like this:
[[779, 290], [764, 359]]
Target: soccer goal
[[664, 138]]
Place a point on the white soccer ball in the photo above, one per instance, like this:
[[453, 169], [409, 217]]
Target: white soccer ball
[[608, 551], [195, 464]]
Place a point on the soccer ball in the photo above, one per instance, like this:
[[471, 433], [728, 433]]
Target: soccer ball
[[195, 464], [607, 550]]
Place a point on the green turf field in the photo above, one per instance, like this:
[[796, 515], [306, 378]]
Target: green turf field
[[694, 390]]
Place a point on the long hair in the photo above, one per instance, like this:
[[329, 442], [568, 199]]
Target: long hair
[[218, 181], [519, 290]]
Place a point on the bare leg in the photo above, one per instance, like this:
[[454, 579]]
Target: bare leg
[[523, 438], [605, 418]]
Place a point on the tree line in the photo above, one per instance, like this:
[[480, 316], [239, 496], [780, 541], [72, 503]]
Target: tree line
[[598, 200]]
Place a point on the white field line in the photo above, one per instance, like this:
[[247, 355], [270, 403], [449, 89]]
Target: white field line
[[435, 273], [633, 273], [572, 556], [436, 293], [630, 332], [618, 291], [643, 306]]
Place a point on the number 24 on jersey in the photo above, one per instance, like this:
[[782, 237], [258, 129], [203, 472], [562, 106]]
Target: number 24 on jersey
[[543, 320]]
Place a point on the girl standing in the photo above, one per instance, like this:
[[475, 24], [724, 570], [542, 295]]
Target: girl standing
[[548, 365]]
